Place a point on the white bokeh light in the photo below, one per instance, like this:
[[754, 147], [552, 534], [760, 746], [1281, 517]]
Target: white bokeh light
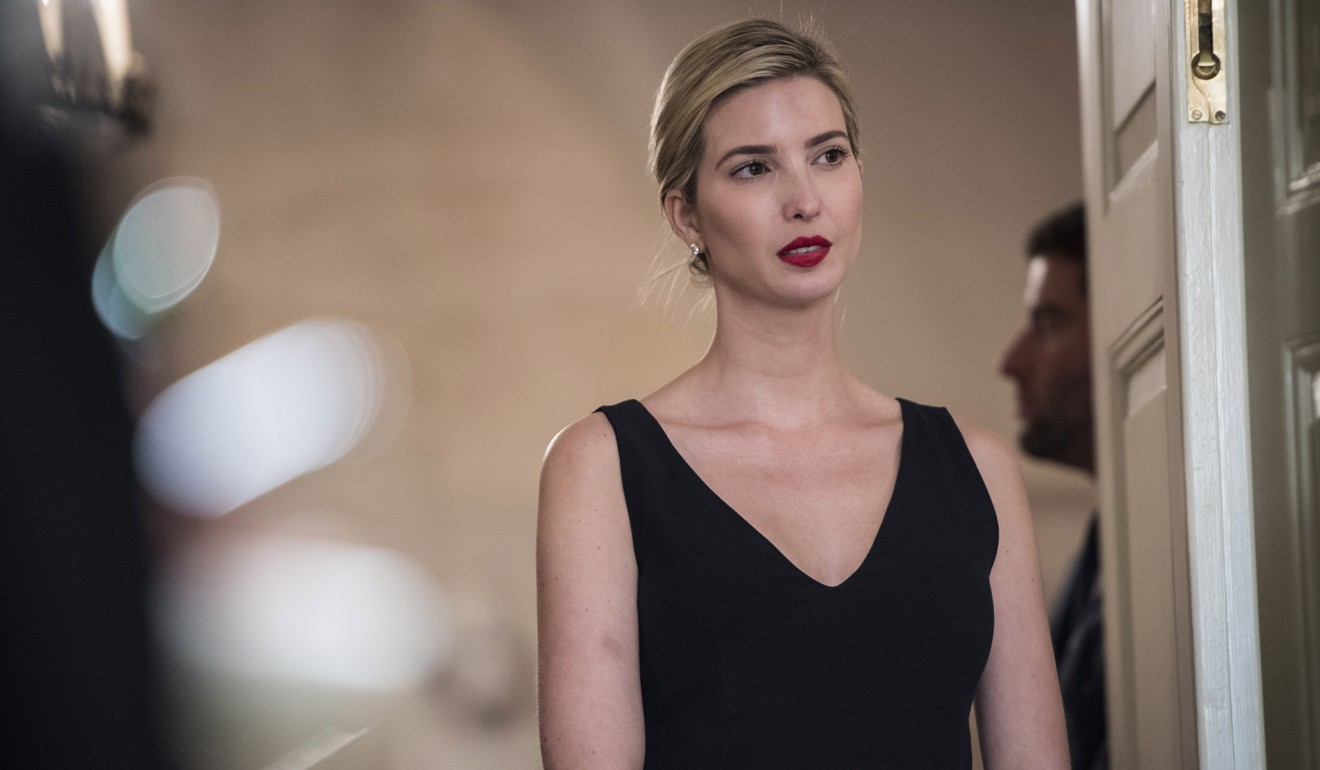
[[166, 242], [124, 319], [275, 409], [303, 609], [161, 250]]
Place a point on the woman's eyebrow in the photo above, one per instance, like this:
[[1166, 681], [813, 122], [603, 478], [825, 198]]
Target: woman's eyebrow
[[825, 137], [747, 149]]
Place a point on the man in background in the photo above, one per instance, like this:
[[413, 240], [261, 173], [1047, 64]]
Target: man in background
[[1050, 363]]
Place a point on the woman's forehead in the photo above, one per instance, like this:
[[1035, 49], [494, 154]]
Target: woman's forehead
[[784, 112]]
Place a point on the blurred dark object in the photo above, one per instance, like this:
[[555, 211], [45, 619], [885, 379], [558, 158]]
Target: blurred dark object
[[72, 63], [77, 678]]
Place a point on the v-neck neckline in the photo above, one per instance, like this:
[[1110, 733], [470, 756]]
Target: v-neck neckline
[[880, 528]]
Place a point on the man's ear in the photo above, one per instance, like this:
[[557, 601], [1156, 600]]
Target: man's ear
[[682, 217]]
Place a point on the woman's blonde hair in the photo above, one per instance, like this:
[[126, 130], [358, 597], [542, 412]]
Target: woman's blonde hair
[[716, 65]]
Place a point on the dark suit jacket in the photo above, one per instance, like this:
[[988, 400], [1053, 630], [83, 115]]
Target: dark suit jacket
[[1076, 627]]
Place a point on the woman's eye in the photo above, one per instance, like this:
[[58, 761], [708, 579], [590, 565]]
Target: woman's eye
[[834, 155], [751, 169]]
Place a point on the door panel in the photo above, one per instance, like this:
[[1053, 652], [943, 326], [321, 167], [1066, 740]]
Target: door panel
[[1154, 673], [1131, 47], [1132, 275]]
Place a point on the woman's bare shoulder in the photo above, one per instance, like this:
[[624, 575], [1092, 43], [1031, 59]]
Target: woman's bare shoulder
[[587, 437], [990, 451], [1000, 471], [586, 602], [584, 453]]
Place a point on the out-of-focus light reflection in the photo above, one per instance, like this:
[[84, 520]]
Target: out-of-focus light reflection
[[116, 40], [166, 242], [307, 610], [312, 752], [124, 319], [275, 409], [1315, 394], [51, 16], [162, 249]]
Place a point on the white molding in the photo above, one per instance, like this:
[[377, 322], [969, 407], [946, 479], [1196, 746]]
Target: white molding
[[1212, 324]]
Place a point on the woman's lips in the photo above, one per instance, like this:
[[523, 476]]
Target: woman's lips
[[805, 252]]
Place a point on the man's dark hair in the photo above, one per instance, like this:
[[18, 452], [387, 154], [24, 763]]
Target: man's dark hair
[[1062, 234]]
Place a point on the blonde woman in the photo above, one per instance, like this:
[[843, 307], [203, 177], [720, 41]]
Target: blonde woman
[[766, 563]]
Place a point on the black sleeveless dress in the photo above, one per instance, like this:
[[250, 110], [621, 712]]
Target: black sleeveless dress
[[747, 662]]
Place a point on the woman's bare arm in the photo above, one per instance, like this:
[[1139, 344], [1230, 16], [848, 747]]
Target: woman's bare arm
[[1019, 712], [589, 686]]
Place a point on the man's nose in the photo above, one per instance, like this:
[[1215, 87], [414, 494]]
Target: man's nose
[[1011, 362]]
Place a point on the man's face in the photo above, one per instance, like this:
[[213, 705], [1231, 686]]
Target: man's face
[[1050, 362]]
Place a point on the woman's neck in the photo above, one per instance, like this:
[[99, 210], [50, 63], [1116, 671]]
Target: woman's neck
[[773, 365]]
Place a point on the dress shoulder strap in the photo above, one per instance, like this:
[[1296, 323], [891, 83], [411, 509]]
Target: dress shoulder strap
[[940, 457], [641, 463], [940, 440]]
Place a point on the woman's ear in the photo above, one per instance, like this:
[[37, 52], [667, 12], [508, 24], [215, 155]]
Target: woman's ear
[[682, 217]]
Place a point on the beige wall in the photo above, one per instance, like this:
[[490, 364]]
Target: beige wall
[[471, 178]]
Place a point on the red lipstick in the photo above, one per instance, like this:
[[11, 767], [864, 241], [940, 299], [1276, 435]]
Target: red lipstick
[[805, 252]]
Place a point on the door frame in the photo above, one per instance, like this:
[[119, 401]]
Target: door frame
[[1216, 429]]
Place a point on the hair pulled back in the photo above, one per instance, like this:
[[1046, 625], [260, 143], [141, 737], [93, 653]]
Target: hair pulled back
[[716, 65]]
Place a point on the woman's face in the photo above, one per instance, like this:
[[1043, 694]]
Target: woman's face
[[779, 194]]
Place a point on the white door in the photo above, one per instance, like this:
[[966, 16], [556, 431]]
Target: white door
[[1164, 216], [1280, 125]]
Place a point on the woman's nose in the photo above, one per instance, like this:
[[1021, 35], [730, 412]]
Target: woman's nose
[[801, 200]]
